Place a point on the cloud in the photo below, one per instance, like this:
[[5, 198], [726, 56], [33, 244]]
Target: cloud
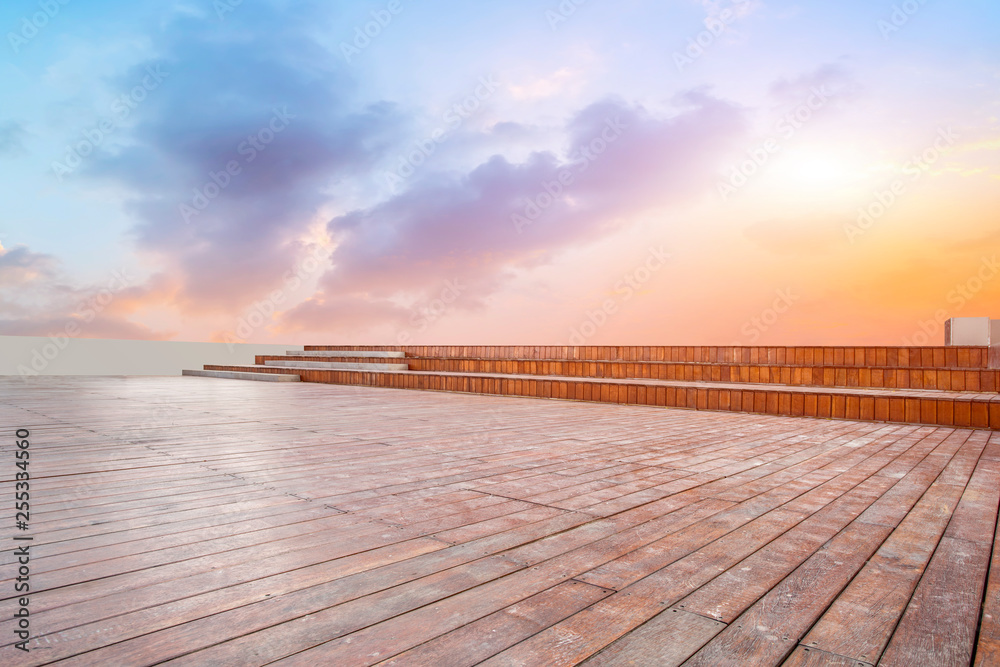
[[832, 78], [12, 136], [461, 226], [344, 313], [100, 327], [254, 130], [559, 82], [19, 267], [257, 95], [714, 9], [37, 300]]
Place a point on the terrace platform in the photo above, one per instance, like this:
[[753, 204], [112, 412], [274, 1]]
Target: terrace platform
[[195, 521]]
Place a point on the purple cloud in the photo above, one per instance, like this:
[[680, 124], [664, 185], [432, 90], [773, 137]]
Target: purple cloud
[[620, 160]]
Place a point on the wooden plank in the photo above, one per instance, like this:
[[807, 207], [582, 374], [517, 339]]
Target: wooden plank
[[803, 656], [769, 631], [476, 606], [645, 560], [476, 641], [988, 645], [75, 567], [154, 614], [475, 530], [730, 594], [666, 640], [940, 623], [591, 630], [862, 619], [287, 639], [104, 597]]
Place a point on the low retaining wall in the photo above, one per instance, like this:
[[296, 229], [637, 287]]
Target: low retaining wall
[[31, 355]]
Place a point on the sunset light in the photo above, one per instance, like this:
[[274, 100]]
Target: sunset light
[[327, 171]]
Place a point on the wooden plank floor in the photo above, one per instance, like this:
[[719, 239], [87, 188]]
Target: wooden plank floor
[[195, 521]]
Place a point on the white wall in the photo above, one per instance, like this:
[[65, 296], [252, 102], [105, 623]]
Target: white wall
[[969, 331], [31, 355]]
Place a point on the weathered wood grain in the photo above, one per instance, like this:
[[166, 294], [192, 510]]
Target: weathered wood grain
[[666, 640], [191, 521], [940, 623]]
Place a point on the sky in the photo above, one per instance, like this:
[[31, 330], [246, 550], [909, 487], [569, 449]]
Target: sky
[[679, 172]]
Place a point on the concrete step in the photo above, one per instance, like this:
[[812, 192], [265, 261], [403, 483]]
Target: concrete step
[[336, 365], [375, 354], [243, 375], [905, 406]]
